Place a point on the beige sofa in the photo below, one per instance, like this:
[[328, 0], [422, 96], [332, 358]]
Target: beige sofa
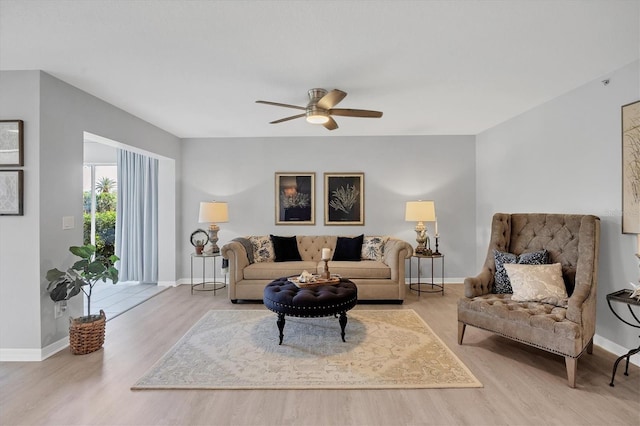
[[564, 327], [376, 279]]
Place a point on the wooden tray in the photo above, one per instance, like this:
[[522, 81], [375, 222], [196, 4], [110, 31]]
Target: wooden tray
[[316, 283]]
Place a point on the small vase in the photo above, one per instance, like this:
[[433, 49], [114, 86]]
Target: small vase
[[199, 249]]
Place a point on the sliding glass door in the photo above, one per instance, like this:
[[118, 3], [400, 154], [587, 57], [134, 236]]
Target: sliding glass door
[[100, 193]]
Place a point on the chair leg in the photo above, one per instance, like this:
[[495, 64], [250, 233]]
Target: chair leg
[[461, 327], [572, 368]]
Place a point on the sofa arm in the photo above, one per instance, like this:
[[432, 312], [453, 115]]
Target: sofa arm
[[237, 256], [478, 285], [395, 252]]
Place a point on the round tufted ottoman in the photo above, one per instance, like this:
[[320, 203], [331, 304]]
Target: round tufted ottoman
[[285, 298]]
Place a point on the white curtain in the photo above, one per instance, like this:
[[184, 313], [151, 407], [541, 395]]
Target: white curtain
[[137, 217]]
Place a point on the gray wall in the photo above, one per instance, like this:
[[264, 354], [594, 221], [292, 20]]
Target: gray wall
[[56, 116], [396, 170], [565, 157], [20, 235]]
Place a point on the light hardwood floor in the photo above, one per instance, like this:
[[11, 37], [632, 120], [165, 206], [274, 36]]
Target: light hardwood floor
[[522, 385]]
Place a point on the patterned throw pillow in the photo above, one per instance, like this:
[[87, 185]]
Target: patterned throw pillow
[[537, 283], [262, 249], [373, 248], [501, 278]]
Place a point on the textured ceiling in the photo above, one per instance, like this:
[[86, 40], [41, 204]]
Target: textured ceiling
[[195, 68]]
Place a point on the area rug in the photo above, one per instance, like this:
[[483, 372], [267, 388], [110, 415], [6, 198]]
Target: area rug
[[238, 349]]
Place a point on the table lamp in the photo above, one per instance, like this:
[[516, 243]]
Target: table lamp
[[213, 212], [421, 211]]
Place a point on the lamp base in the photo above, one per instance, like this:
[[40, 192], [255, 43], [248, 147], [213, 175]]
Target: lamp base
[[213, 239], [423, 251]]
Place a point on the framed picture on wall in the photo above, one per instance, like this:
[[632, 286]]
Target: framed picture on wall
[[344, 198], [631, 168], [295, 198], [11, 188], [11, 143]]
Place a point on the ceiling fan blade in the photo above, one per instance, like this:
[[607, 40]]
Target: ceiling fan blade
[[331, 99], [331, 124], [287, 118], [346, 112], [281, 105]]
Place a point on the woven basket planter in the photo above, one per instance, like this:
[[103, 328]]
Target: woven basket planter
[[86, 337]]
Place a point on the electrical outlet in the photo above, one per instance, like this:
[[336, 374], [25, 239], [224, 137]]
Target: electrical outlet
[[59, 309]]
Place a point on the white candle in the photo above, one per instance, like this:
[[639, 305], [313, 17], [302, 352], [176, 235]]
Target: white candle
[[436, 226], [326, 253]]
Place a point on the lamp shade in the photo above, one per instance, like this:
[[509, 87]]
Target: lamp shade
[[420, 211], [213, 212]]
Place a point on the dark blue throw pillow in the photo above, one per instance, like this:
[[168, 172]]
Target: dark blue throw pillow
[[349, 249], [285, 248], [501, 279]]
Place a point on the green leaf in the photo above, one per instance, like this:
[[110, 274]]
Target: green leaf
[[54, 274], [84, 252], [80, 264], [74, 291], [59, 293], [96, 267]]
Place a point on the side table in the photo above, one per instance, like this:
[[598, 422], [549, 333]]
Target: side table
[[205, 285], [623, 296], [434, 288]]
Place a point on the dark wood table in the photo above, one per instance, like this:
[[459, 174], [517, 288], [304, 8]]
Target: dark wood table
[[623, 296]]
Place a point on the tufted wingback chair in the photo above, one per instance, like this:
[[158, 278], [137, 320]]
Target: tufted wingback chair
[[572, 241]]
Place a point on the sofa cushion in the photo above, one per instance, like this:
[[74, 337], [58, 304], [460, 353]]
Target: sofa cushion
[[373, 248], [349, 249], [537, 283], [484, 310], [285, 248], [273, 270], [262, 248], [358, 270], [502, 284]]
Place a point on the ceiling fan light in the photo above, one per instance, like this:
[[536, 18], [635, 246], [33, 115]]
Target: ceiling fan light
[[317, 118]]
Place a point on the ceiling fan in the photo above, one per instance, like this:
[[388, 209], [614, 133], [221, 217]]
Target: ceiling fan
[[321, 107]]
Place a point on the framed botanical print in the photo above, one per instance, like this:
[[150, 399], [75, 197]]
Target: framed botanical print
[[11, 191], [631, 168], [11, 143], [344, 198], [295, 198]]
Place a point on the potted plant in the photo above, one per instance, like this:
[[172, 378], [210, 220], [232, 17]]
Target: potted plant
[[199, 246], [86, 333]]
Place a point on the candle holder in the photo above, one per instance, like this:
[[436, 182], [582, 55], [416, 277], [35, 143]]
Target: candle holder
[[437, 253], [327, 275]]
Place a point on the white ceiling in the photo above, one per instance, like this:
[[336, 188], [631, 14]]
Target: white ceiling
[[195, 68]]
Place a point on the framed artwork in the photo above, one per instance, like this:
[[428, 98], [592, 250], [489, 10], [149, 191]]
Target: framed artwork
[[11, 143], [344, 198], [295, 198], [11, 187], [631, 168]]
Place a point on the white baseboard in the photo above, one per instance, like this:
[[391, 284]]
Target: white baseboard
[[28, 355], [615, 348], [167, 284]]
